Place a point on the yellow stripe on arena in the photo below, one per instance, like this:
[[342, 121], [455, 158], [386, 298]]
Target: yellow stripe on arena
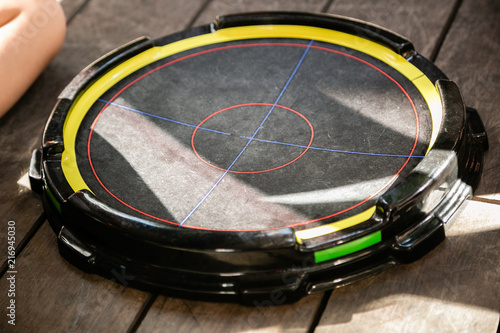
[[90, 95], [335, 226]]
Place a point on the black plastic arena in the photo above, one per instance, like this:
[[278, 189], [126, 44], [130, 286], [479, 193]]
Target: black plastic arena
[[265, 153]]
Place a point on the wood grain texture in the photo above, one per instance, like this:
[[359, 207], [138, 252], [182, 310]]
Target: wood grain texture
[[168, 314], [71, 7], [455, 288], [103, 26], [53, 296], [23, 207], [471, 57], [419, 21], [21, 130]]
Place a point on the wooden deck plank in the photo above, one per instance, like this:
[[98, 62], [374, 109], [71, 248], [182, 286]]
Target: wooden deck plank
[[455, 288], [104, 25], [71, 7], [23, 208], [53, 296], [21, 130], [470, 57], [419, 21], [17, 202], [178, 315]]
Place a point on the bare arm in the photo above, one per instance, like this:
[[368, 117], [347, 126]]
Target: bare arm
[[31, 34]]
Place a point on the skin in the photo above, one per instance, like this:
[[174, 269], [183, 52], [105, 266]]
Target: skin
[[31, 34]]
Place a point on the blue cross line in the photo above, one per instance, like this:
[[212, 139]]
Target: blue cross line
[[332, 150], [255, 139], [251, 138], [163, 118]]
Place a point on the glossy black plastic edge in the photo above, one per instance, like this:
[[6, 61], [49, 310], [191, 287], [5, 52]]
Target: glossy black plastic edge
[[402, 199], [192, 32], [375, 33], [52, 136], [35, 171], [447, 176], [159, 233], [52, 177], [101, 65]]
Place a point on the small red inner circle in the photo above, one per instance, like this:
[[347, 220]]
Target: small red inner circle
[[223, 48], [306, 147]]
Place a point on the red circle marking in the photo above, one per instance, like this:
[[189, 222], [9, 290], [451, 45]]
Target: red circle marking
[[253, 104], [256, 45]]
